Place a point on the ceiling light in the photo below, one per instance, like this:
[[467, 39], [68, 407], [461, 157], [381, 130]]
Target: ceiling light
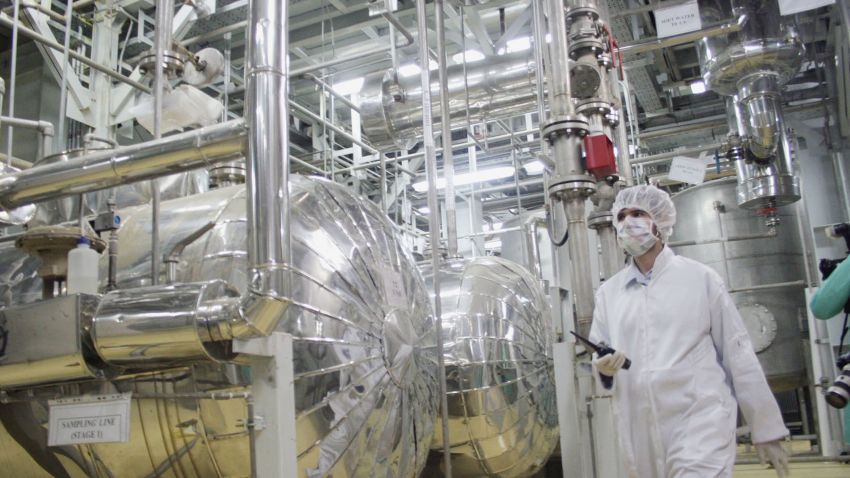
[[410, 69], [424, 210], [698, 87], [470, 55], [494, 244], [495, 227], [464, 179], [518, 44], [548, 38], [349, 87], [534, 167]]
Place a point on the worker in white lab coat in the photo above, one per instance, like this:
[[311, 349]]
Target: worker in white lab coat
[[692, 360]]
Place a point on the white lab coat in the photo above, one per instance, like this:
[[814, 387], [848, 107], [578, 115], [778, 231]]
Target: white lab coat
[[691, 359]]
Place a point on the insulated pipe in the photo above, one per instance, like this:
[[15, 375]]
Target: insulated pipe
[[652, 44], [109, 168], [433, 221], [446, 134], [267, 166], [162, 42]]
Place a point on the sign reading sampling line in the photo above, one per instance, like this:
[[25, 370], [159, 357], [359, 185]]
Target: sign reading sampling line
[[677, 19], [89, 419]]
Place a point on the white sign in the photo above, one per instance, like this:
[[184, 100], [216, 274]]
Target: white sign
[[89, 419], [394, 287], [687, 170], [678, 19], [790, 7]]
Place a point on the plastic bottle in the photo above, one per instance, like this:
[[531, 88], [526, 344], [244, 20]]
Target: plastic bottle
[[82, 269]]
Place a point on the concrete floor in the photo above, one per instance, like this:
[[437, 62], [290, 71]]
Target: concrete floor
[[798, 470]]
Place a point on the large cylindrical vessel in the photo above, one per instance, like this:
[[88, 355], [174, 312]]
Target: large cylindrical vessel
[[763, 271], [363, 336], [501, 393], [752, 66], [496, 87]]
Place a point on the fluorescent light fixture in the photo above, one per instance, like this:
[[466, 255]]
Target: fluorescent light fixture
[[518, 44], [471, 56], [495, 227], [698, 87], [534, 167], [349, 87], [464, 179], [548, 38], [410, 69], [424, 210]]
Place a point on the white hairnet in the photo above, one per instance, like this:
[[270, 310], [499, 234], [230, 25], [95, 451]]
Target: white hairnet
[[654, 201]]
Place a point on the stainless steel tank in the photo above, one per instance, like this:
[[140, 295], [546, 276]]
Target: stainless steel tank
[[503, 419], [754, 269], [364, 345]]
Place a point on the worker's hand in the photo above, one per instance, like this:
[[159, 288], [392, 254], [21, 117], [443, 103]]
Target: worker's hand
[[772, 453], [609, 364]]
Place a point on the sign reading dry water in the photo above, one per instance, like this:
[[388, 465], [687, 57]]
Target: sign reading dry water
[[89, 419]]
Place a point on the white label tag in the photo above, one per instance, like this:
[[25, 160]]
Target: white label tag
[[790, 7], [687, 170], [678, 19], [393, 287], [89, 419]]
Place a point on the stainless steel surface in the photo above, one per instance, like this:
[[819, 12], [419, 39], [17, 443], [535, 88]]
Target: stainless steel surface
[[65, 354], [100, 170], [766, 42], [501, 393], [446, 132], [747, 264], [754, 64], [498, 86], [267, 166], [161, 326], [425, 85], [366, 378]]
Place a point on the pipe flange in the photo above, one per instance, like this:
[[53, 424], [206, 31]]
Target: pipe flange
[[599, 220], [566, 125], [584, 45], [172, 64], [585, 10], [604, 60], [594, 106], [573, 185]]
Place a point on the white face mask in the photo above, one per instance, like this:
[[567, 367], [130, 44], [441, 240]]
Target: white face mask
[[635, 235]]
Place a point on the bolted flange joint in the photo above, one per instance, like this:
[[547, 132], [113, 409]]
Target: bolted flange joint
[[564, 126]]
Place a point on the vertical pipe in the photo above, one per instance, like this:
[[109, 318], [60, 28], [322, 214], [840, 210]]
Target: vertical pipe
[[12, 73], [446, 134], [267, 181], [560, 89], [162, 42], [63, 88], [433, 218], [539, 32]]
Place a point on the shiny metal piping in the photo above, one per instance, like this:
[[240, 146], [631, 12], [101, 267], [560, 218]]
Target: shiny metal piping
[[499, 86], [497, 330], [446, 132], [433, 219], [363, 332], [267, 180], [106, 169]]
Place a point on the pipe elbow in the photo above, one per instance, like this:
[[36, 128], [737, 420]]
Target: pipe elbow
[[46, 128]]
